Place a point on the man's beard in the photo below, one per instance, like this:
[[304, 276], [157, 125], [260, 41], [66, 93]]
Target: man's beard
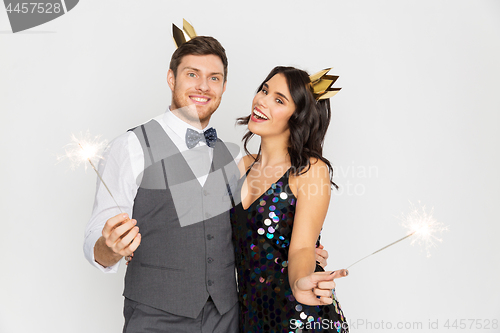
[[190, 111]]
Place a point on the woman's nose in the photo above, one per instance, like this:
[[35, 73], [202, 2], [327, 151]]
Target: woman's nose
[[262, 102]]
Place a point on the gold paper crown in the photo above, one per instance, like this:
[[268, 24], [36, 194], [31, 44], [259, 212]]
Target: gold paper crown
[[322, 84], [180, 37]]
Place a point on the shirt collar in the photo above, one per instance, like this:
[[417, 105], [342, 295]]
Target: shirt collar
[[179, 126]]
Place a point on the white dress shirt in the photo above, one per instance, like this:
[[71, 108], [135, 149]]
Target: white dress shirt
[[120, 167]]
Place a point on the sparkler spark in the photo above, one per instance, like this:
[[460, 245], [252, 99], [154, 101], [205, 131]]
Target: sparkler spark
[[424, 226], [84, 149], [420, 224]]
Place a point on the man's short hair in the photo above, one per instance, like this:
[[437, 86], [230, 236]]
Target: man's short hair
[[200, 45]]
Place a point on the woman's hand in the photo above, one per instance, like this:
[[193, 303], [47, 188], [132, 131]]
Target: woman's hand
[[321, 256], [319, 284], [129, 258]]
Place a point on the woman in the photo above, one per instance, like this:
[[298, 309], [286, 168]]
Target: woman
[[284, 195]]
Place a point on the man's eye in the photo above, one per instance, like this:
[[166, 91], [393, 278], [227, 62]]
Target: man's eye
[[214, 78], [191, 74]]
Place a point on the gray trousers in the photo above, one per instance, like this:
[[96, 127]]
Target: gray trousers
[[140, 318]]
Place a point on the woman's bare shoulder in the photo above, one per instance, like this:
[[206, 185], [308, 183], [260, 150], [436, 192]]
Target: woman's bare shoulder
[[317, 176], [246, 162], [317, 170]]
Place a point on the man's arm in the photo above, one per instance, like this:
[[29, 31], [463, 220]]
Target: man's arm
[[110, 234]]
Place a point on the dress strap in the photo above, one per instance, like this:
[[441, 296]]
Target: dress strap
[[286, 175]]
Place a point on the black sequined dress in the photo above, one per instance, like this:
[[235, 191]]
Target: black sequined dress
[[261, 236]]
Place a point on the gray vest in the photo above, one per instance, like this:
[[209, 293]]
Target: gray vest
[[186, 252]]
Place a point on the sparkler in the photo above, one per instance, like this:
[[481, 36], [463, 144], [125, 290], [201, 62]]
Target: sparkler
[[87, 148], [420, 224]]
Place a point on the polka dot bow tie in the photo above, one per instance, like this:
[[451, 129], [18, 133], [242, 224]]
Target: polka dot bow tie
[[193, 137]]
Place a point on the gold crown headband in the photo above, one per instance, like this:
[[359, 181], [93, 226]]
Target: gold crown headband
[[322, 84], [180, 37]]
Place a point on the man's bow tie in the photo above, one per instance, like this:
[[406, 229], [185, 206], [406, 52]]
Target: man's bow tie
[[193, 137]]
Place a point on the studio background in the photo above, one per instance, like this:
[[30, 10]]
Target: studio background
[[417, 119]]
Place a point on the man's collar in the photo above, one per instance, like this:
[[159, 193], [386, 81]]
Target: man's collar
[[177, 125]]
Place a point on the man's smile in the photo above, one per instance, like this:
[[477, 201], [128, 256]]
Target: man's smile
[[197, 99]]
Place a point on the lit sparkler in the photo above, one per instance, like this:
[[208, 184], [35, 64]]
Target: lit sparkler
[[84, 148], [420, 224], [87, 148]]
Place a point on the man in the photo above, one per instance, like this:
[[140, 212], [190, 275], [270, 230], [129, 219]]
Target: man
[[182, 276]]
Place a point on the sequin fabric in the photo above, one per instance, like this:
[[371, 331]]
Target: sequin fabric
[[261, 236]]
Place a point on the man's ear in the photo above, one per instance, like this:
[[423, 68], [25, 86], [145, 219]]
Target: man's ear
[[171, 79]]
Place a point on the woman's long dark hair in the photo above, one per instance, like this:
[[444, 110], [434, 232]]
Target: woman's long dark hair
[[308, 123]]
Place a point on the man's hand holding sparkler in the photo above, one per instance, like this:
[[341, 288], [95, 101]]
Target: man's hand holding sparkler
[[120, 238], [120, 235]]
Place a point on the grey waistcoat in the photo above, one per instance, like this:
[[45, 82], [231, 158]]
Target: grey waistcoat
[[186, 252]]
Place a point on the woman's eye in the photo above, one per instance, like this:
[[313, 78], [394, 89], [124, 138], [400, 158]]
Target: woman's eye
[[264, 91], [279, 101]]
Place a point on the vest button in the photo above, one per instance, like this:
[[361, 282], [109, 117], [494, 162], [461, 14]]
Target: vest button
[[210, 282], [210, 260], [205, 192], [210, 237], [207, 215]]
